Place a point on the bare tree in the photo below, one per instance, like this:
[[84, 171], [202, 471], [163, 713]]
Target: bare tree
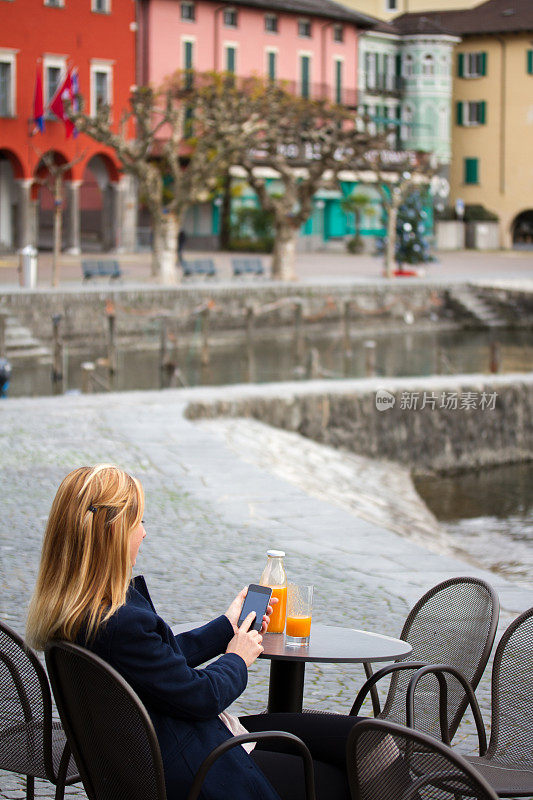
[[263, 127], [395, 180], [173, 169], [53, 179]]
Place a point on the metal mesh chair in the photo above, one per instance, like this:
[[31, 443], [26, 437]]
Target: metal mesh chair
[[454, 624], [31, 743], [112, 736], [508, 763], [386, 761]]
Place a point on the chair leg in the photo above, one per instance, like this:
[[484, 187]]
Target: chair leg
[[62, 773], [30, 787]]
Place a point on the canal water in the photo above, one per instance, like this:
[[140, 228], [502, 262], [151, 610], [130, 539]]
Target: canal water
[[488, 516], [395, 354]]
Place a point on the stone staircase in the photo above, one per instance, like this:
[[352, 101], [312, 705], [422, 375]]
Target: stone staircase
[[20, 342], [468, 301]]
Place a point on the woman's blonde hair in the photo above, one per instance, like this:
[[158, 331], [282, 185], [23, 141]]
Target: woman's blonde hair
[[85, 561]]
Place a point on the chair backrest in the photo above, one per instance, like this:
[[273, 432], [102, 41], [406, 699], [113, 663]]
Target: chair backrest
[[386, 761], [511, 736], [108, 728], [454, 623], [25, 708]]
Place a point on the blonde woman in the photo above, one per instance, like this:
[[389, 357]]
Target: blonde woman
[[85, 594]]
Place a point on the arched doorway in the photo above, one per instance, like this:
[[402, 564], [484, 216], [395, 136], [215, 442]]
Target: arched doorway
[[522, 229], [98, 213], [10, 200]]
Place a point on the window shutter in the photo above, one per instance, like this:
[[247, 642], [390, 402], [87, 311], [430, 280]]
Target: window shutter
[[338, 81], [471, 170], [304, 67], [482, 112], [483, 63], [530, 62], [399, 64], [459, 113], [461, 65], [230, 59], [188, 55]]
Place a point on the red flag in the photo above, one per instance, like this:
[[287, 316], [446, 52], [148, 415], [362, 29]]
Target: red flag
[[57, 105], [38, 104]]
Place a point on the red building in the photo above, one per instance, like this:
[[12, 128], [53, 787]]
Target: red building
[[97, 37]]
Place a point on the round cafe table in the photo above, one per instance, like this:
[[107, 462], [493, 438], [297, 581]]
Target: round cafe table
[[328, 644]]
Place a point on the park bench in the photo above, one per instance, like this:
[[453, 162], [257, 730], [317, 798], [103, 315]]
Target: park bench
[[199, 266], [100, 268], [247, 266]]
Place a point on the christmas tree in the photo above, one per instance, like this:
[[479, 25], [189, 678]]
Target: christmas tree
[[412, 241]]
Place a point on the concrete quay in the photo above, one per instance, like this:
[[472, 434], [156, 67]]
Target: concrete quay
[[212, 510]]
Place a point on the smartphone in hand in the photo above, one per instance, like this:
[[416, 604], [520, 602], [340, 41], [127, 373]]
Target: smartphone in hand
[[257, 600]]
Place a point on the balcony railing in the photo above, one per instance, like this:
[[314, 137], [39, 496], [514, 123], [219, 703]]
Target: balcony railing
[[384, 84], [313, 91]]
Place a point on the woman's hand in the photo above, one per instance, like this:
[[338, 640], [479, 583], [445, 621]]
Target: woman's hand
[[246, 643], [234, 610]]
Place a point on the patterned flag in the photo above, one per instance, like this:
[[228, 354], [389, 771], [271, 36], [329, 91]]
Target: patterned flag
[[57, 104], [38, 104]]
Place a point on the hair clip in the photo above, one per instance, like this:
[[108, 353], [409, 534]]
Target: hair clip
[[92, 508]]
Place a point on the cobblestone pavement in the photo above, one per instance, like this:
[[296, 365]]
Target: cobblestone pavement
[[210, 516]]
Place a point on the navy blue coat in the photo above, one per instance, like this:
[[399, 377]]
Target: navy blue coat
[[182, 701]]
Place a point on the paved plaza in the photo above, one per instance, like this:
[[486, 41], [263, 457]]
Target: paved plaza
[[321, 267], [212, 511]]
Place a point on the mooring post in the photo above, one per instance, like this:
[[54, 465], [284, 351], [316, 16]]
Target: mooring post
[[347, 345], [250, 322], [370, 358], [163, 333], [87, 372], [204, 357], [57, 365], [313, 369], [3, 324], [298, 330], [111, 337], [495, 357]]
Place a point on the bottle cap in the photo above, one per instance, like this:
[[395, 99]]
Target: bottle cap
[[275, 553]]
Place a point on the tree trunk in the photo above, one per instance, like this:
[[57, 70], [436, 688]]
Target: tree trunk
[[391, 241], [165, 249], [224, 235], [284, 256]]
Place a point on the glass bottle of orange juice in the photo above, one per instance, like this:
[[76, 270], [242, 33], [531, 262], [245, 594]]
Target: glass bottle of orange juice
[[275, 577]]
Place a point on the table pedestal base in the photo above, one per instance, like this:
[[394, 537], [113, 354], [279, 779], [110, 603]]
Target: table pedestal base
[[286, 689]]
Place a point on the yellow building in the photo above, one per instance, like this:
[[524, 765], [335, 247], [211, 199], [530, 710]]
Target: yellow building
[[388, 9], [492, 130], [492, 105], [492, 138]]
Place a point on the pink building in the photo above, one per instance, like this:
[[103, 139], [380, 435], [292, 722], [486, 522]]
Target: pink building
[[313, 44], [310, 44]]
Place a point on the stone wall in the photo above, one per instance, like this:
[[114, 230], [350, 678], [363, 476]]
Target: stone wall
[[434, 436], [138, 310]]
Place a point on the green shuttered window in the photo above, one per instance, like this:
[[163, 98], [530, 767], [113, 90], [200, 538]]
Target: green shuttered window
[[471, 113], [471, 170], [472, 65], [530, 62]]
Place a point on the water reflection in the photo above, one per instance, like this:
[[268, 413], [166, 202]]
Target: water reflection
[[394, 354], [488, 515]]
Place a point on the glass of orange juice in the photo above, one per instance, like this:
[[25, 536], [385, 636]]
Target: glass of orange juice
[[299, 612]]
